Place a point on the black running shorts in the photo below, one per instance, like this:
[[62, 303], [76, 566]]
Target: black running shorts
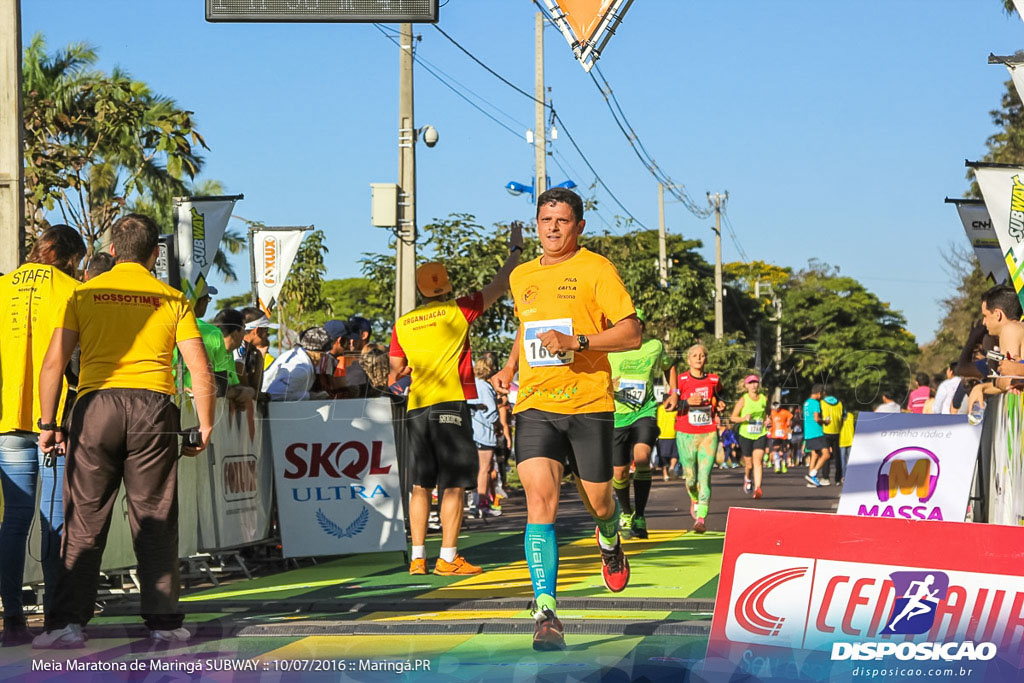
[[581, 442], [748, 446], [441, 448], [818, 443], [667, 451], [780, 444], [644, 430]]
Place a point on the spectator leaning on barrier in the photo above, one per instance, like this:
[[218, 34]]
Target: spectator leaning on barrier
[[125, 426], [257, 336], [349, 378], [229, 323], [293, 376], [30, 298], [918, 397], [213, 341], [947, 389], [433, 340], [1001, 313]]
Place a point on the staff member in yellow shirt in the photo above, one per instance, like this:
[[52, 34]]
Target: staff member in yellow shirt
[[433, 342], [124, 426], [573, 310], [29, 296]]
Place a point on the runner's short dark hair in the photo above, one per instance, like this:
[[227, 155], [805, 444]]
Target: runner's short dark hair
[[817, 389], [228, 320], [134, 237], [250, 313], [100, 263], [922, 379], [1003, 298], [560, 194]]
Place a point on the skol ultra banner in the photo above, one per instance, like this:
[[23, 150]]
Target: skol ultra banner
[[910, 466], [587, 25], [273, 251], [1002, 187], [811, 596], [336, 472], [982, 236], [199, 225]]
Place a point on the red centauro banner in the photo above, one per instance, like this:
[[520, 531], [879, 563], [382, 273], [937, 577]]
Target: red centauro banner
[[837, 598]]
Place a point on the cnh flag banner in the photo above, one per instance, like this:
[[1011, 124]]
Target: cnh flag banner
[[587, 25], [982, 236], [199, 225], [273, 252], [1002, 187]]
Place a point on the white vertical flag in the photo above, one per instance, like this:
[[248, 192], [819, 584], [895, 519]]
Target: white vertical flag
[[1002, 186], [199, 225], [1017, 76], [982, 236], [1019, 4], [274, 251]]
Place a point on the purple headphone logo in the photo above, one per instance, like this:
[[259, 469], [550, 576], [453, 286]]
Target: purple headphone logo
[[893, 476]]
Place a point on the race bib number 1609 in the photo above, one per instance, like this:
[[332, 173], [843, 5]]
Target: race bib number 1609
[[536, 355]]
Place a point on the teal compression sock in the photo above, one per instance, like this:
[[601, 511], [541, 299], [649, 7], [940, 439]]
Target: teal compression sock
[[542, 559]]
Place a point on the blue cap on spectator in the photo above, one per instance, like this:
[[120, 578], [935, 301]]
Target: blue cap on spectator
[[336, 329]]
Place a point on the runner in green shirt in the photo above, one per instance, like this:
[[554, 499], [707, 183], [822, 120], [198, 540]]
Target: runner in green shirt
[[634, 374]]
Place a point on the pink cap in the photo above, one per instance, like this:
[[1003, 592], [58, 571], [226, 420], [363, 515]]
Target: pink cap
[[751, 378]]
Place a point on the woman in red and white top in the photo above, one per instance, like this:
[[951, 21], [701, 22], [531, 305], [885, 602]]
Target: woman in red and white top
[[696, 397]]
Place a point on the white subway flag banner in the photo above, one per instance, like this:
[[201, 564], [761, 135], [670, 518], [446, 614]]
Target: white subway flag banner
[[1002, 187], [982, 236], [199, 225], [910, 466], [336, 469], [1019, 5], [274, 252]]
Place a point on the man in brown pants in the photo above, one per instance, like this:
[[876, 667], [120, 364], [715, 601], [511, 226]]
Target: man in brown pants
[[124, 426]]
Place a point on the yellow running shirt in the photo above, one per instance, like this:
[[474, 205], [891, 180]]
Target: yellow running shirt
[[30, 299], [666, 423], [581, 295], [128, 324], [434, 340]]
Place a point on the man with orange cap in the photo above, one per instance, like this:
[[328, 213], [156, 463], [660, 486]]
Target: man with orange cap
[[433, 342]]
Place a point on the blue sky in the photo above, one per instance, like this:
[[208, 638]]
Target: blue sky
[[837, 128]]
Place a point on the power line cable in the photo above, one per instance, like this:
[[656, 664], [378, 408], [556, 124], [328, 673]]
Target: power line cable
[[733, 237], [554, 116]]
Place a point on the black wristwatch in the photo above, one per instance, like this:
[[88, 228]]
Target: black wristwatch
[[582, 340], [48, 426], [514, 248]]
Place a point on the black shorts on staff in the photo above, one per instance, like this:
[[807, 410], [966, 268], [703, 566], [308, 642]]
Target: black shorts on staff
[[748, 446], [644, 430], [442, 452], [581, 442]]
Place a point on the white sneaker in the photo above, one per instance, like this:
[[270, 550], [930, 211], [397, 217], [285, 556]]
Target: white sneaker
[[66, 638], [826, 482], [178, 635]]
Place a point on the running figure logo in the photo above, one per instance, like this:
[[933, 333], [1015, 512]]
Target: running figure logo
[[918, 595]]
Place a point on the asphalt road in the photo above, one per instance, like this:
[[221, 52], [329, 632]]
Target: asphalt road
[[669, 505]]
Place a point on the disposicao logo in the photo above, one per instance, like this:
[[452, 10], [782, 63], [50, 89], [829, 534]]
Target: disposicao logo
[[750, 612], [906, 472]]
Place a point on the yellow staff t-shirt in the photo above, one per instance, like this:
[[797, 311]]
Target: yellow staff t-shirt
[[581, 295], [128, 324], [30, 300]]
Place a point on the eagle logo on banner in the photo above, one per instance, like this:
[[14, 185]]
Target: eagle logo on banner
[[587, 25]]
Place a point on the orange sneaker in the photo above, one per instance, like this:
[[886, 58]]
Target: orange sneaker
[[460, 567], [418, 566]]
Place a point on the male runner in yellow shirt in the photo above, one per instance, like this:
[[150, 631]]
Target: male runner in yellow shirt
[[573, 310]]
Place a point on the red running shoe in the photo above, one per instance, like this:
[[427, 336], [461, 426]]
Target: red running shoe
[[548, 633], [699, 527], [615, 569], [757, 493]]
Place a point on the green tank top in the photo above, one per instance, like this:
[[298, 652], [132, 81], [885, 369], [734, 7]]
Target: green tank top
[[636, 372], [755, 408]]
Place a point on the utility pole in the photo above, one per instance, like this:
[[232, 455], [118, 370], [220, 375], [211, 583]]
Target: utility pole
[[405, 257], [12, 199], [540, 143], [662, 250], [757, 347], [777, 397], [717, 201]]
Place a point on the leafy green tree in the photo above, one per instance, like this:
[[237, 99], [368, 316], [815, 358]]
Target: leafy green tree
[[472, 255], [302, 296], [95, 141], [358, 296], [836, 331]]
